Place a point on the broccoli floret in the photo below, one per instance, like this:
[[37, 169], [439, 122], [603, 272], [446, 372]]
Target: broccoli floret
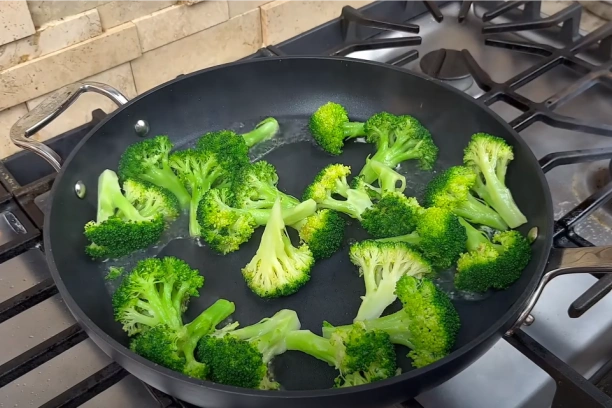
[[386, 181], [332, 181], [452, 190], [120, 228], [240, 357], [225, 226], [148, 160], [408, 139], [489, 156], [379, 128], [174, 347], [151, 200], [255, 187], [199, 171], [228, 143], [491, 264], [439, 235], [382, 264], [278, 268], [427, 323], [360, 356], [394, 215], [330, 127], [323, 232], [155, 292]]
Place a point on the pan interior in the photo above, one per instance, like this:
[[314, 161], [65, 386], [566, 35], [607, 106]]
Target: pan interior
[[241, 95]]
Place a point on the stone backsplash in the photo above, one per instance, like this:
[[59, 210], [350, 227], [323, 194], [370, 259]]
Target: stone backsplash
[[137, 45]]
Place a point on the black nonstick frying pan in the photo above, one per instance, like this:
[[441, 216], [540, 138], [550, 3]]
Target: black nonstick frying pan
[[289, 89]]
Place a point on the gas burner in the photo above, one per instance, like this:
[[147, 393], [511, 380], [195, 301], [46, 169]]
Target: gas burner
[[449, 66]]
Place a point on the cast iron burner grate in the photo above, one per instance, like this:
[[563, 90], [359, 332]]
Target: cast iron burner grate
[[26, 180]]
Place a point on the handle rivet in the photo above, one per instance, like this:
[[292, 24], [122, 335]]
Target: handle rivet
[[532, 235], [529, 320], [79, 189], [141, 128]]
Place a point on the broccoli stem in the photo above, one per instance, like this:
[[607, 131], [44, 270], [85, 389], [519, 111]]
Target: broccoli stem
[[478, 212], [353, 129], [309, 343], [355, 204], [395, 325], [110, 198], [203, 325], [387, 177], [264, 130], [291, 215], [377, 298], [166, 178], [500, 198], [475, 238], [391, 157]]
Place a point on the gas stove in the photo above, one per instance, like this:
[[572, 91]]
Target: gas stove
[[550, 81]]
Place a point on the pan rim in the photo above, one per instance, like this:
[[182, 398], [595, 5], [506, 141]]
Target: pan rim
[[502, 324]]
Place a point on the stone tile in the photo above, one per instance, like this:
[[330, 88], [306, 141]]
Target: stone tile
[[15, 21], [8, 118], [45, 11], [588, 22], [51, 37], [80, 112], [239, 7], [118, 12], [228, 41], [176, 22], [42, 75], [284, 19]]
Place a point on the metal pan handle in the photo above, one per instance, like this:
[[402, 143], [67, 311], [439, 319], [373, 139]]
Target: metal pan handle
[[49, 109], [566, 261]]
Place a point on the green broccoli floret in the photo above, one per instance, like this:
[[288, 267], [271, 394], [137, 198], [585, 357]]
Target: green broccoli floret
[[489, 156], [387, 181], [240, 357], [228, 143], [174, 347], [394, 215], [155, 292], [278, 268], [254, 186], [360, 356], [382, 264], [439, 235], [491, 264], [323, 232], [225, 226], [120, 228], [199, 171], [408, 139], [151, 200], [148, 160], [332, 181], [452, 190], [427, 323], [330, 127]]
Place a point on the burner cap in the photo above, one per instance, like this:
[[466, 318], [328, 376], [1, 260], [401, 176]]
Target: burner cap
[[446, 65]]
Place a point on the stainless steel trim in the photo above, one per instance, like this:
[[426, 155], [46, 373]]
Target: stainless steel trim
[[567, 261], [49, 109]]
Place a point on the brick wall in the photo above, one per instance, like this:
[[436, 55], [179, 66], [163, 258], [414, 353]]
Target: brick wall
[[131, 45]]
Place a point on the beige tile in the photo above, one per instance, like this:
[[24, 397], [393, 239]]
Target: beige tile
[[589, 22], [118, 12], [80, 112], [284, 19], [45, 11], [239, 7], [176, 22], [8, 118], [228, 41], [51, 37], [601, 9], [42, 75], [15, 21]]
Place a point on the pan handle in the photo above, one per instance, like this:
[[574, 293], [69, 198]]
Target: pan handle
[[49, 109], [564, 262]]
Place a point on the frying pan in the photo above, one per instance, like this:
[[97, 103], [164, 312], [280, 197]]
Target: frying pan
[[290, 89]]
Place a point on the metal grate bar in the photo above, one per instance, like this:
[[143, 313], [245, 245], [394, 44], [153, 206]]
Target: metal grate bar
[[552, 160]]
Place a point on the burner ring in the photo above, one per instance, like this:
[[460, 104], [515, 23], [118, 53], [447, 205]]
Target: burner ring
[[445, 65]]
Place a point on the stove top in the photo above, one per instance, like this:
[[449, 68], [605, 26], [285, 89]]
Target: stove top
[[550, 81]]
